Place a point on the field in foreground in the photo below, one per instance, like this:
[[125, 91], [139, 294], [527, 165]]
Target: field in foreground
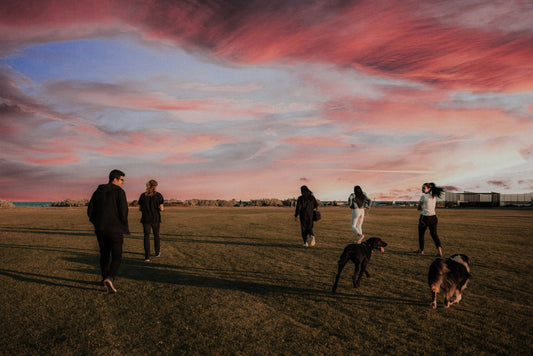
[[236, 281]]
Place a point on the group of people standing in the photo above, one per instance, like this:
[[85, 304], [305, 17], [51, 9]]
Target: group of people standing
[[108, 211], [358, 202]]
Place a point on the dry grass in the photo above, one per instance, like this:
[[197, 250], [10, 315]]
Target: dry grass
[[236, 281]]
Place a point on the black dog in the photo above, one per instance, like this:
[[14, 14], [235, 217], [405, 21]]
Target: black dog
[[452, 275], [359, 254]]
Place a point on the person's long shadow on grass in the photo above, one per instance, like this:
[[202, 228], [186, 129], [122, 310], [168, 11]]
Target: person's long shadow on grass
[[48, 231], [77, 255], [44, 279], [196, 277], [163, 273], [259, 241], [135, 269], [43, 248], [385, 300]]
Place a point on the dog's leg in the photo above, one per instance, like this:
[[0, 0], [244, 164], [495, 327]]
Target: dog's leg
[[361, 271], [341, 264], [357, 267], [458, 297], [364, 269], [434, 299], [448, 297]]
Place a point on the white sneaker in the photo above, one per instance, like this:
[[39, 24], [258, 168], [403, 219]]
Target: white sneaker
[[313, 240], [305, 244], [110, 287]]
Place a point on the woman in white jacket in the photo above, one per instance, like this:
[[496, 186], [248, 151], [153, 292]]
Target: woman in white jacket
[[358, 202]]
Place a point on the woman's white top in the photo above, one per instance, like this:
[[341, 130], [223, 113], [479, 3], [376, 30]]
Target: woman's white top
[[428, 204]]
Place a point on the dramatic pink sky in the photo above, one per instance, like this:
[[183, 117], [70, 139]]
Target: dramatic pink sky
[[251, 99]]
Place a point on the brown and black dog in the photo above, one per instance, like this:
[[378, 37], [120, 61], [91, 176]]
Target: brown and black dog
[[359, 254], [451, 275]]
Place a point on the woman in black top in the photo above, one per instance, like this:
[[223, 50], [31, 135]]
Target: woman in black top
[[151, 206], [304, 207]]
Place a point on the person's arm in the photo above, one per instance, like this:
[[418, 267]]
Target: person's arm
[[90, 208], [297, 211], [123, 209], [161, 207], [140, 202], [420, 203], [350, 201], [368, 202]]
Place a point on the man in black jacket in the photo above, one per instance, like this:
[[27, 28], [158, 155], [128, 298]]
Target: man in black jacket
[[108, 211]]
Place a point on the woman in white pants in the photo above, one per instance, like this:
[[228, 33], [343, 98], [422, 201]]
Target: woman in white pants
[[358, 202]]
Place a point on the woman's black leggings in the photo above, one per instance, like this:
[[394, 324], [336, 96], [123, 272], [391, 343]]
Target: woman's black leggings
[[428, 221], [307, 228], [157, 241]]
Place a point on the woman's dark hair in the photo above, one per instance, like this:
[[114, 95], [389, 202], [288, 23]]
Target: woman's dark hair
[[360, 197], [305, 191], [115, 174], [435, 191], [150, 187]]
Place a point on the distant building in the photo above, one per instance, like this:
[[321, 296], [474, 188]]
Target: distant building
[[472, 199]]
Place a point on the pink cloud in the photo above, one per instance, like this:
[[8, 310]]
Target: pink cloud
[[141, 98], [53, 161], [396, 39], [423, 116], [173, 148]]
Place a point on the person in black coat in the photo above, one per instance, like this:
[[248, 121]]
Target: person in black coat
[[108, 211], [151, 206], [304, 208]]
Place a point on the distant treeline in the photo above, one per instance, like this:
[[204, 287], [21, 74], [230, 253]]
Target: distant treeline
[[6, 204], [71, 202], [227, 203], [291, 202]]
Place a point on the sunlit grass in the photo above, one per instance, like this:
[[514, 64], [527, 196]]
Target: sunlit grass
[[236, 281]]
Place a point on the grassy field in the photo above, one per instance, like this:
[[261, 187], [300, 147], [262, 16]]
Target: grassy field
[[235, 281]]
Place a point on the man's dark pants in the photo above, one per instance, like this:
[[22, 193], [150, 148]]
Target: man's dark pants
[[110, 250]]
